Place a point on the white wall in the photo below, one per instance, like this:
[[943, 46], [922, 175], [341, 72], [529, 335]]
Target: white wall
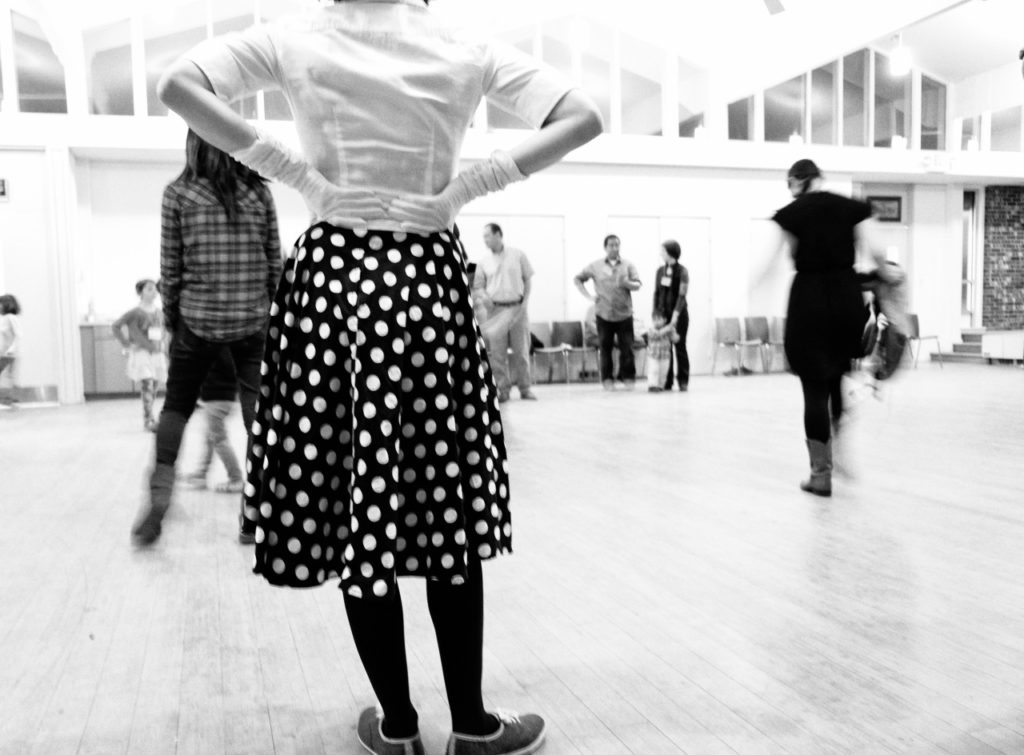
[[559, 217], [119, 223], [28, 264], [990, 91]]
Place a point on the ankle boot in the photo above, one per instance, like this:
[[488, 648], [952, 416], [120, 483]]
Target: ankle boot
[[161, 486], [820, 482]]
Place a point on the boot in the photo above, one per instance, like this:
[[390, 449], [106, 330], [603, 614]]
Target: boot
[[161, 486], [820, 482]]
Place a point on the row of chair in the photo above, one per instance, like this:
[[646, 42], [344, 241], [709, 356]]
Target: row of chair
[[758, 333], [564, 342], [766, 335]]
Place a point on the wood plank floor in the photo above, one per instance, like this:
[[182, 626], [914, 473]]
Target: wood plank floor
[[672, 589]]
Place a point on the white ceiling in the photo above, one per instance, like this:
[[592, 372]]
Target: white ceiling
[[970, 39], [738, 42]]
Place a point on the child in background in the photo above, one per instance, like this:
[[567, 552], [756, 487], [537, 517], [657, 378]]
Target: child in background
[[218, 397], [10, 330], [147, 363], [660, 338]]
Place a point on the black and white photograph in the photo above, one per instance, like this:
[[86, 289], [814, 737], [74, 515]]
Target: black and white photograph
[[475, 377]]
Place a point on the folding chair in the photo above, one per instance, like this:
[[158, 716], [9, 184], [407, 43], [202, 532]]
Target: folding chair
[[777, 340], [727, 334], [914, 336], [755, 331]]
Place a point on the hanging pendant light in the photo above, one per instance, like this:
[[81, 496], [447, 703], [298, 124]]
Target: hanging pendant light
[[900, 62]]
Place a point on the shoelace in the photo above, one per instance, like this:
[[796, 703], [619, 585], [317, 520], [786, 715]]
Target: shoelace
[[505, 716]]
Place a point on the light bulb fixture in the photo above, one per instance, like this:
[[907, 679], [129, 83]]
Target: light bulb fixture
[[795, 138], [900, 62]]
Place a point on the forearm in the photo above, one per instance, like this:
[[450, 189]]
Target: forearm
[[574, 122], [583, 289], [185, 89], [526, 290]]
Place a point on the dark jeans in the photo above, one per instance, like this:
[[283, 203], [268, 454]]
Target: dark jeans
[[191, 360], [681, 363], [610, 333]]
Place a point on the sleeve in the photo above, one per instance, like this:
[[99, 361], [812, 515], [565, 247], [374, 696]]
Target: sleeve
[[527, 268], [118, 325], [684, 280], [784, 218], [239, 63], [272, 246], [861, 211], [522, 85], [170, 257]]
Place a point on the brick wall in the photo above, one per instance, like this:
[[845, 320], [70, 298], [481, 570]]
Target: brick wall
[[1004, 258]]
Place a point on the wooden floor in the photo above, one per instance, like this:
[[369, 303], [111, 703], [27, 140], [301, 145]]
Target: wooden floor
[[672, 591]]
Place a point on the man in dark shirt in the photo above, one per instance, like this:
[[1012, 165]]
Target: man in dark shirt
[[671, 284], [615, 280]]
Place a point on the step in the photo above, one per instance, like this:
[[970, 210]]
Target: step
[[972, 335], [967, 348], [948, 356]]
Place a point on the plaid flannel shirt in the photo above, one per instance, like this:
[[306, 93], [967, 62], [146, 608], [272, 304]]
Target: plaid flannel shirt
[[218, 275]]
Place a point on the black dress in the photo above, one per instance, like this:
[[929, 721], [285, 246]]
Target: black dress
[[826, 314]]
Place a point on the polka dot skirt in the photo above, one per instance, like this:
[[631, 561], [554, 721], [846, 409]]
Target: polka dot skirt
[[377, 449]]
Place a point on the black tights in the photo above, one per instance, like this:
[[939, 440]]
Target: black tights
[[458, 615], [823, 405]]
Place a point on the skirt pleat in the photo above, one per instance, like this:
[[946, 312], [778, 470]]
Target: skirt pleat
[[377, 450]]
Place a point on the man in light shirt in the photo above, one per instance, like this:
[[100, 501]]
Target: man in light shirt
[[502, 286]]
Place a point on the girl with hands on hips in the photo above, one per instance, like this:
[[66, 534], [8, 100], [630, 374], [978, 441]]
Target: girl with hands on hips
[[378, 448]]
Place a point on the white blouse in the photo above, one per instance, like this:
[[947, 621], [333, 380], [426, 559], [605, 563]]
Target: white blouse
[[382, 92]]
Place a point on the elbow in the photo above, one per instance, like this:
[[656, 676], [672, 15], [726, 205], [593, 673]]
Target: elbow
[[172, 86], [588, 121], [168, 87]]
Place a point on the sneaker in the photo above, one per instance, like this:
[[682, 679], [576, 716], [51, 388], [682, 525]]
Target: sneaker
[[527, 395], [151, 425], [503, 397], [246, 538], [608, 385], [371, 737], [516, 735]]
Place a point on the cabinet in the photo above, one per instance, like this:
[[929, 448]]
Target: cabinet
[[103, 364]]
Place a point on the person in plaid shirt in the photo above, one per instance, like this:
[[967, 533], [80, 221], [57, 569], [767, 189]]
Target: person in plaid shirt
[[220, 260]]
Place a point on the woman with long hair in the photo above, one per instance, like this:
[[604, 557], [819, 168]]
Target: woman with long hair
[[378, 449], [220, 260], [826, 315]]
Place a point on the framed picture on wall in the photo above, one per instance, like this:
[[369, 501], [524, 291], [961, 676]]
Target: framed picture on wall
[[886, 209]]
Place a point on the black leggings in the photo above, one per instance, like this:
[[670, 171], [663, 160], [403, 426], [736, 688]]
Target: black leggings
[[458, 615], [823, 405]]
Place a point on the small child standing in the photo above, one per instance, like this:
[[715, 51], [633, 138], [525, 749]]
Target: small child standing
[[218, 397], [147, 363], [10, 337], [660, 338]]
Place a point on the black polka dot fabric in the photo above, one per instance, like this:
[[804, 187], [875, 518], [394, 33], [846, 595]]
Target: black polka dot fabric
[[377, 449]]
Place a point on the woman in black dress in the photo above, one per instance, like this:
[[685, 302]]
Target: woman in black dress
[[826, 315]]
